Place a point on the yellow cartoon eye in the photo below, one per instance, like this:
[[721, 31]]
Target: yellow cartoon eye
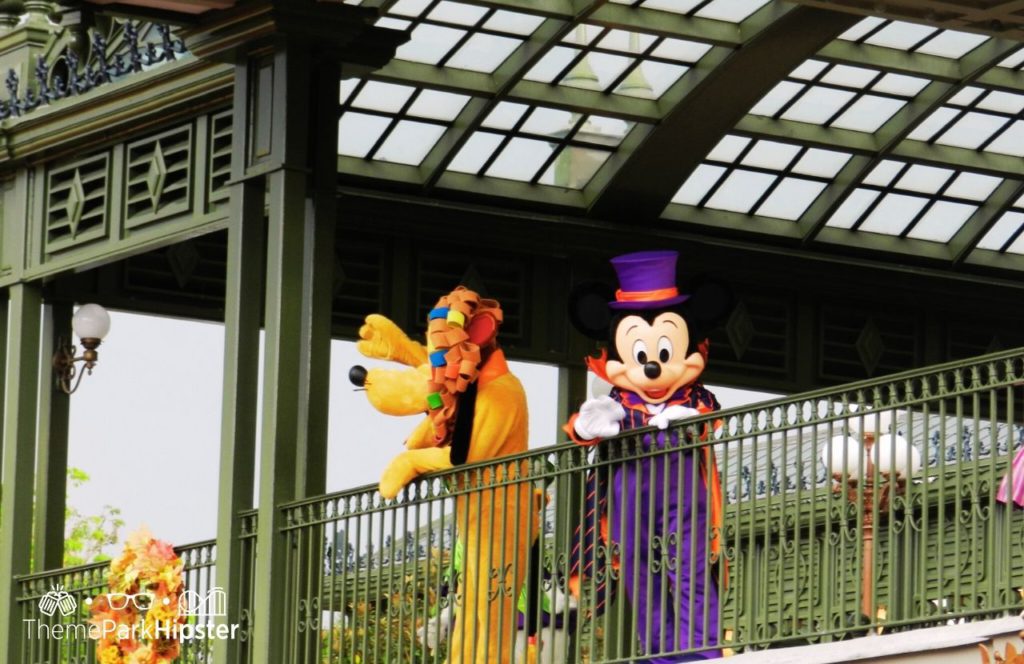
[[664, 349], [640, 351]]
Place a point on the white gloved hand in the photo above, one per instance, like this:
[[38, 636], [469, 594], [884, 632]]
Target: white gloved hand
[[672, 414], [434, 632], [599, 418]]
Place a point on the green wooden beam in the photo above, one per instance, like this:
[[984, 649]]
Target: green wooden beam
[[933, 67], [974, 229], [52, 464], [242, 320], [645, 184], [858, 142], [21, 391]]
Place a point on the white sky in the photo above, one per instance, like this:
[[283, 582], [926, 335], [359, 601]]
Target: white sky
[[146, 425]]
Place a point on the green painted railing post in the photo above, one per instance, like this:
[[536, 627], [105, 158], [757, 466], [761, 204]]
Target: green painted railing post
[[21, 380], [242, 311], [52, 466]]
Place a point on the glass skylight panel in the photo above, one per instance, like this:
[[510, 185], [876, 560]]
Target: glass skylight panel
[[395, 123], [346, 88], [1007, 234], [845, 96], [882, 174], [483, 52], [914, 38], [818, 105], [973, 186], [762, 177], [429, 44], [893, 214], [728, 149], [513, 23], [409, 142], [475, 152], [359, 132], [697, 186], [900, 84], [733, 11], [438, 105], [771, 154], [952, 44], [868, 113], [1002, 102], [978, 119], [1015, 61], [821, 163], [596, 57], [574, 168], [853, 208], [505, 115], [383, 97], [901, 35], [520, 159], [862, 28], [740, 191], [1010, 141], [942, 221], [459, 35], [849, 76], [924, 179], [791, 198], [971, 130], [540, 145], [916, 201]]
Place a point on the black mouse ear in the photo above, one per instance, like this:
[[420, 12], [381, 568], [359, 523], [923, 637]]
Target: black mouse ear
[[588, 308], [710, 302]]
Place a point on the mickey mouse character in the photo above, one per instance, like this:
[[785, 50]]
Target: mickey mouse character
[[659, 516]]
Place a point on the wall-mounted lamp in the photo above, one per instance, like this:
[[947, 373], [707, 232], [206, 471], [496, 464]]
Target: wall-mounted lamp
[[90, 324]]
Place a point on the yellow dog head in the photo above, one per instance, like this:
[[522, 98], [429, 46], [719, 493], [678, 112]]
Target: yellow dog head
[[392, 391]]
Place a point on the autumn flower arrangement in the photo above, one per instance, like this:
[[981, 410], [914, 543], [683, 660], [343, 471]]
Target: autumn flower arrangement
[[136, 621]]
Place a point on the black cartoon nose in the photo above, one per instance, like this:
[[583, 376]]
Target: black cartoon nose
[[652, 369], [357, 375]]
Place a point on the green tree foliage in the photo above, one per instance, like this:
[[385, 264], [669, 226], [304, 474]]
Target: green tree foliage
[[86, 536]]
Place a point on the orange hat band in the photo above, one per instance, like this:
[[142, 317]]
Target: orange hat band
[[646, 296]]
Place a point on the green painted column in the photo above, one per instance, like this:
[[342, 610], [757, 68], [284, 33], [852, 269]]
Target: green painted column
[[21, 387], [242, 311], [52, 465], [299, 272]]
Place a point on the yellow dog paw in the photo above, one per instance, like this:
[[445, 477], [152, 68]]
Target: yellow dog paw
[[399, 472], [381, 339]]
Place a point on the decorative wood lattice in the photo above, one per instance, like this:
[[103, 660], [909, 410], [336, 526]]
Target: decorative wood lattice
[[159, 176], [77, 202], [220, 156]]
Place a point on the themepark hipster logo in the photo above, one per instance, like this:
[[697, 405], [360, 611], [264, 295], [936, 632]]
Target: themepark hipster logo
[[197, 609]]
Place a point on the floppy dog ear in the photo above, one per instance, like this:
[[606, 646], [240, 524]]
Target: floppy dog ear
[[710, 302], [588, 308]]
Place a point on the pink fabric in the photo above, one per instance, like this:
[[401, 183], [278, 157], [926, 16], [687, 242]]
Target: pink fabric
[[1017, 490]]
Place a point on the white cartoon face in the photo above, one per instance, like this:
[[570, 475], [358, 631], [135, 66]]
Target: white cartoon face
[[654, 362]]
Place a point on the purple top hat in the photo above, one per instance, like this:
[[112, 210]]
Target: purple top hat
[[647, 280]]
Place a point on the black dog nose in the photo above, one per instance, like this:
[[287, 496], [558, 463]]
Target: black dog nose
[[652, 369], [357, 375]]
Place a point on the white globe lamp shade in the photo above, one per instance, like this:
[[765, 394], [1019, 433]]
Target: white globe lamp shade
[[870, 421], [843, 454], [91, 321], [893, 453]]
